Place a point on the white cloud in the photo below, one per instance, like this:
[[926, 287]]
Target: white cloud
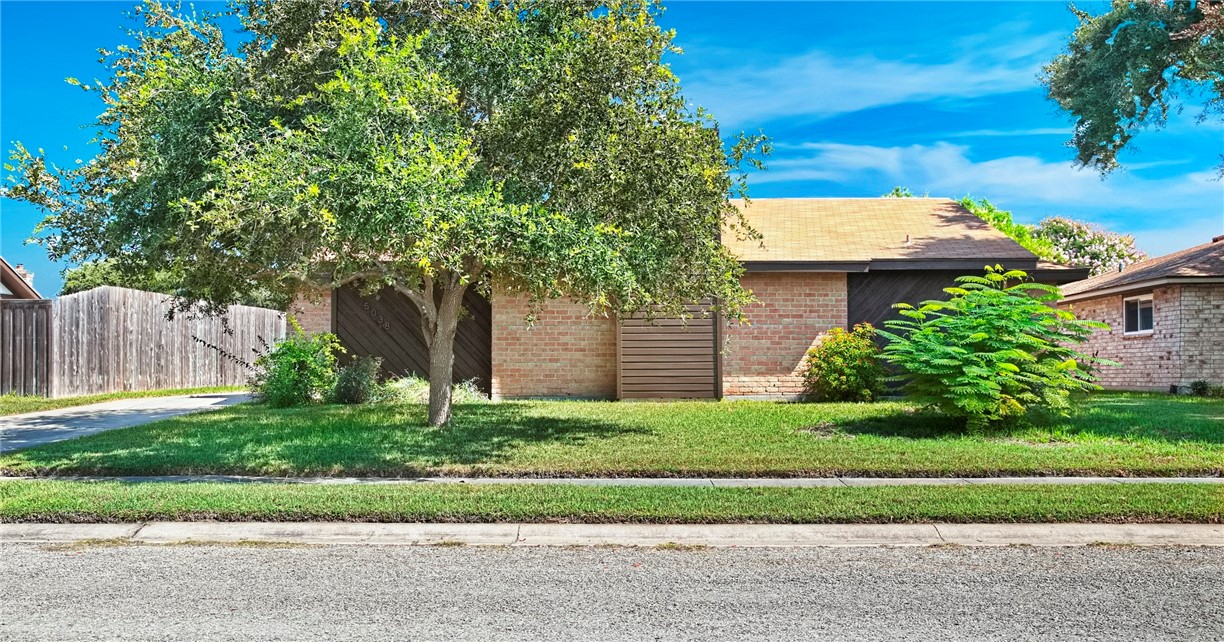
[[1190, 206], [819, 84]]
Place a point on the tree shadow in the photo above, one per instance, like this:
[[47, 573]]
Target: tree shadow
[[1125, 417], [375, 440]]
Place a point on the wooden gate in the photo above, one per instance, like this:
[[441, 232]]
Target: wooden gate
[[25, 347], [668, 358], [388, 325]]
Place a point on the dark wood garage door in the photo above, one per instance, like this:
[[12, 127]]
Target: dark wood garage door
[[668, 359], [388, 325]]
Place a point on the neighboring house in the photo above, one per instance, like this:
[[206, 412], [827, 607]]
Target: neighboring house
[[1164, 316], [16, 282], [821, 263]]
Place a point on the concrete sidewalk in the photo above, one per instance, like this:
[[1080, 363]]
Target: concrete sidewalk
[[37, 428], [707, 482], [711, 535]]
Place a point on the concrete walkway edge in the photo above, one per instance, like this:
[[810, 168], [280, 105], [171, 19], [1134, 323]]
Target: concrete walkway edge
[[711, 535], [713, 482]]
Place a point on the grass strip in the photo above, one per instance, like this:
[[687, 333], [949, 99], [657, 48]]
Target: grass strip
[[16, 405], [66, 502], [1114, 434]]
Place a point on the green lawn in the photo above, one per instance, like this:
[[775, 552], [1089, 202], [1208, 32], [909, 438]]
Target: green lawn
[[62, 501], [15, 405], [1115, 434]]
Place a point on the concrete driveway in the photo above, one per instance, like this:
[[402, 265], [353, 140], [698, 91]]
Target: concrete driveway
[[37, 428]]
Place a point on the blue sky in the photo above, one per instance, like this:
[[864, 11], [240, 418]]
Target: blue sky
[[857, 96]]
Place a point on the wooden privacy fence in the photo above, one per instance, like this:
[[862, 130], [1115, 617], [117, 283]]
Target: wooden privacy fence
[[113, 339], [25, 347]]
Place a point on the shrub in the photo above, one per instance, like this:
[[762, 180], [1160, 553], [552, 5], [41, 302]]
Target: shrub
[[298, 370], [415, 389], [357, 382], [1216, 391], [845, 366], [1200, 388], [992, 350]]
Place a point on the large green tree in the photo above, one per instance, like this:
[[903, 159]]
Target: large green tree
[[1126, 68], [426, 145]]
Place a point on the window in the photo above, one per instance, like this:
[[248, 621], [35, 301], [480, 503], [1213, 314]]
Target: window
[[1137, 315]]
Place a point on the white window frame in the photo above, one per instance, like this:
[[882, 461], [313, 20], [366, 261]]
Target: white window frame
[[1138, 333]]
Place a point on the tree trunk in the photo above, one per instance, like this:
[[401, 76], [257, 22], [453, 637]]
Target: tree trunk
[[442, 352]]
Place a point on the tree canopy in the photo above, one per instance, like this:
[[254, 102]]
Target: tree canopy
[[1128, 67], [424, 145]]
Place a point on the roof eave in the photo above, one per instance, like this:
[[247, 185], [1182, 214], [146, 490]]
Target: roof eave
[[1145, 284]]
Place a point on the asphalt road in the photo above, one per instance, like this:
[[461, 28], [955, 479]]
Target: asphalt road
[[146, 592]]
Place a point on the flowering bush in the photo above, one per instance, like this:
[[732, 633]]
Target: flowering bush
[[845, 366], [1083, 244]]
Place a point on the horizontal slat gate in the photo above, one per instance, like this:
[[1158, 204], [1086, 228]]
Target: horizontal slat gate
[[668, 358]]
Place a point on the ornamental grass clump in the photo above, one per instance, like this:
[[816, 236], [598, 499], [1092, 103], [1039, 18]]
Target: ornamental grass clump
[[845, 366], [993, 351]]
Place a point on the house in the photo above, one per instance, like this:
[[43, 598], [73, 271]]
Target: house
[[16, 282], [1164, 317], [821, 263]]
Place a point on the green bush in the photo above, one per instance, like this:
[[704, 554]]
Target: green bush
[[992, 351], [1216, 391], [415, 389], [1200, 388], [357, 382], [845, 366], [298, 370]]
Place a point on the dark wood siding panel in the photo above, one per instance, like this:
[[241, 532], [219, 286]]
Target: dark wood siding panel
[[872, 295], [388, 325], [668, 358]]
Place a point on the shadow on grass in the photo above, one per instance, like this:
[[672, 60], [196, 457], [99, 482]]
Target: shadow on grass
[[1151, 417], [320, 440]]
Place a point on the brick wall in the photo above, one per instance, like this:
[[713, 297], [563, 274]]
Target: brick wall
[[567, 352], [313, 311], [1149, 362], [1202, 317], [765, 358]]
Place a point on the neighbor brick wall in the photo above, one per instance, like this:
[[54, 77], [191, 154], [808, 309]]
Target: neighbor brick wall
[[765, 358], [568, 352], [313, 310], [1149, 362], [1202, 320]]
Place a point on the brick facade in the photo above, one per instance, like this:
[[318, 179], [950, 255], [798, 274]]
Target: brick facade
[[313, 311], [567, 353], [1184, 345], [1202, 318], [765, 358]]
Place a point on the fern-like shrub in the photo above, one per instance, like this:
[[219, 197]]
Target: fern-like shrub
[[993, 351], [845, 366], [298, 370]]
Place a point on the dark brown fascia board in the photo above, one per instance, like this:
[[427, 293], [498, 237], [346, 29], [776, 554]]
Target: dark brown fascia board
[[874, 265], [1060, 275], [973, 265], [806, 266]]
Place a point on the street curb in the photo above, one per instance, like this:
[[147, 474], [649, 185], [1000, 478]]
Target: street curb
[[708, 482], [657, 535]]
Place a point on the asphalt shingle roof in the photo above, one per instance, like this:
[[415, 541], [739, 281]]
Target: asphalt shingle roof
[[1201, 261], [865, 229]]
